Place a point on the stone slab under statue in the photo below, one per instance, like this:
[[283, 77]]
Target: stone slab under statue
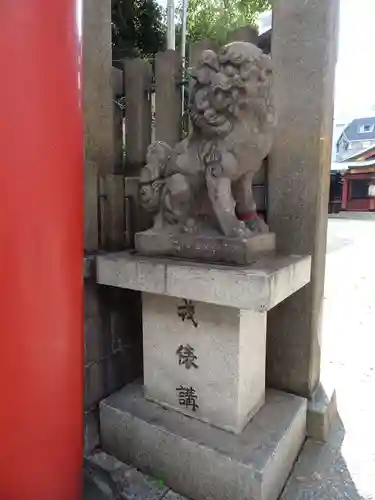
[[200, 191], [205, 247]]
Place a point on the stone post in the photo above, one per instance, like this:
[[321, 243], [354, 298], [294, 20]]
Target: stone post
[[168, 97], [97, 90], [304, 51], [112, 346], [137, 74], [99, 155]]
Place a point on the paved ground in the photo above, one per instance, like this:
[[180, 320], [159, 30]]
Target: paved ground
[[344, 468]]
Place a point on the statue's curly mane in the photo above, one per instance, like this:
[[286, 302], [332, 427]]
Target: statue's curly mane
[[228, 85]]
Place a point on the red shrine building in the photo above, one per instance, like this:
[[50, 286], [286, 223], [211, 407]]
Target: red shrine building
[[358, 190], [355, 153]]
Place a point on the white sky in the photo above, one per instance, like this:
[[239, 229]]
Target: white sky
[[355, 75]]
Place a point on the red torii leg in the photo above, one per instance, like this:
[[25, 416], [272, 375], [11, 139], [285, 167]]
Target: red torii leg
[[41, 255]]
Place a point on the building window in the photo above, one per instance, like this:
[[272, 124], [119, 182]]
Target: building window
[[359, 188], [366, 129]]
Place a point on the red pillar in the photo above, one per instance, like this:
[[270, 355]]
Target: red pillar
[[41, 182], [345, 193]]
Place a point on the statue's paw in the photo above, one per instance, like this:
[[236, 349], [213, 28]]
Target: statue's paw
[[257, 225], [240, 231]]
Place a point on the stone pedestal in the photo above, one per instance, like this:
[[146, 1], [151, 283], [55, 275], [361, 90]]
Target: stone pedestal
[[204, 353], [219, 352]]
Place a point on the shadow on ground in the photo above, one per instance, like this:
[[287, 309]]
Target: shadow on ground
[[321, 471]]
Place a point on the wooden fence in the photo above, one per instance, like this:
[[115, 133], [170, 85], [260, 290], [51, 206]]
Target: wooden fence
[[146, 107]]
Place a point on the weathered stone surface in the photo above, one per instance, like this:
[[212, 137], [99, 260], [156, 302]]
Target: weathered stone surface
[[168, 97], [91, 300], [258, 287], [113, 220], [88, 266], [138, 76], [97, 340], [95, 383], [94, 489], [123, 367], [91, 194], [97, 88], [304, 50], [137, 219], [323, 472], [203, 247], [113, 340], [321, 410], [125, 318], [201, 461], [228, 374], [127, 481], [204, 183], [91, 431], [171, 495]]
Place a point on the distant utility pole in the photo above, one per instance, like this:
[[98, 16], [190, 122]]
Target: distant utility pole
[[171, 32], [185, 7]]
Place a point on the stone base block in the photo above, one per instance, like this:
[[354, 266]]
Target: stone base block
[[322, 410], [201, 461], [205, 248]]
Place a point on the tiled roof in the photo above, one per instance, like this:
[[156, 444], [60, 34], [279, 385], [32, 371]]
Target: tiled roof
[[353, 130]]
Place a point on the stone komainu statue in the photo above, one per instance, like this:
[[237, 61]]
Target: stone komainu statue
[[204, 184]]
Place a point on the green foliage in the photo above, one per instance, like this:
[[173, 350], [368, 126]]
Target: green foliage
[[213, 19], [138, 28]]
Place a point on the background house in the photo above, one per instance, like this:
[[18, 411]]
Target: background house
[[358, 186], [358, 136]]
